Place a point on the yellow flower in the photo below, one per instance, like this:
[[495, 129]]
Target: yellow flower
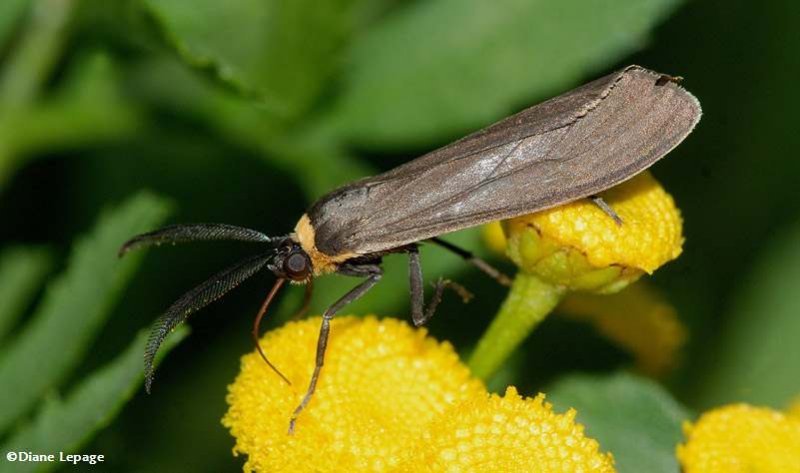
[[740, 438], [638, 319], [384, 391], [579, 246], [509, 434]]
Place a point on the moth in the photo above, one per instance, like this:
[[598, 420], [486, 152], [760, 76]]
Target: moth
[[570, 147]]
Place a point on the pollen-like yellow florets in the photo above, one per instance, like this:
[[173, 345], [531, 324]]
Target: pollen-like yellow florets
[[509, 433], [740, 438], [385, 389], [578, 245], [382, 382]]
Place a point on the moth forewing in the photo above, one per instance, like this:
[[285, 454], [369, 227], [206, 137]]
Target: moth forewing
[[564, 149]]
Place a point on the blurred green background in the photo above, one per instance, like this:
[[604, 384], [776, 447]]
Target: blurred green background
[[245, 111]]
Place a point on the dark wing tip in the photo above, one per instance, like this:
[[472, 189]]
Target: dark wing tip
[[666, 80], [691, 105]]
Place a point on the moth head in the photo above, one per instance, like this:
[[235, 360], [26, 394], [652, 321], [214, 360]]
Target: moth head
[[291, 261]]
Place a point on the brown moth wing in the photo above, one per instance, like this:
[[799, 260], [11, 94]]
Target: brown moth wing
[[569, 147]]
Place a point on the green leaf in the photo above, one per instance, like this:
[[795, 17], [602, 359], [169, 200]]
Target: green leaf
[[309, 154], [22, 270], [632, 417], [280, 51], [65, 425], [74, 308], [439, 68], [757, 354], [319, 166], [35, 53], [10, 13], [89, 108]]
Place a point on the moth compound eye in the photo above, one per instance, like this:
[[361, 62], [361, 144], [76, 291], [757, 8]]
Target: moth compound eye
[[297, 266]]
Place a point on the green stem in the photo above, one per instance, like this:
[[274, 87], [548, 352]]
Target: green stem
[[527, 304]]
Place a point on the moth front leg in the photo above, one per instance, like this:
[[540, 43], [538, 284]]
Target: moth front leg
[[373, 272], [419, 313]]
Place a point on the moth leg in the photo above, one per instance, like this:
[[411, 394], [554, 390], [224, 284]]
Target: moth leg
[[470, 258], [419, 313], [373, 274], [598, 201], [417, 291]]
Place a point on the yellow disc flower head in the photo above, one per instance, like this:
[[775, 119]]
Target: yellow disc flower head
[[579, 246], [740, 438], [389, 399], [509, 434], [381, 383]]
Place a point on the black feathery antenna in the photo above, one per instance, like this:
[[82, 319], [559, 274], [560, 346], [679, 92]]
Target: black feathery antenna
[[195, 232], [194, 300]]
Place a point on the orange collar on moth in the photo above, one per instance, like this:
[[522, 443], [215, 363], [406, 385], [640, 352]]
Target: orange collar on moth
[[322, 263]]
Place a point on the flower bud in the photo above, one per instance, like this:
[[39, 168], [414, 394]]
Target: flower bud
[[579, 246]]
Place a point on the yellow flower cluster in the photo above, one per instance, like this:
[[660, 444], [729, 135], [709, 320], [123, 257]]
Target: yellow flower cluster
[[392, 399], [740, 438], [582, 251], [509, 434], [649, 236], [579, 246]]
